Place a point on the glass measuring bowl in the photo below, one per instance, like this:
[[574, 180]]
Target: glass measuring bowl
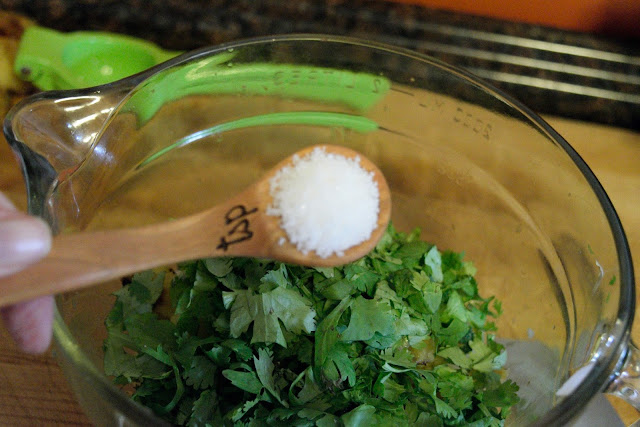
[[475, 170]]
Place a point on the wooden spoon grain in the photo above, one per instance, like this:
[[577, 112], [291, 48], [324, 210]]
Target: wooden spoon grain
[[237, 227]]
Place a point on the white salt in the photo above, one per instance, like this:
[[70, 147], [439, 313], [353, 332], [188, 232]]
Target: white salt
[[327, 203]]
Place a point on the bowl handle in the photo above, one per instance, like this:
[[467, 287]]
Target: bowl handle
[[626, 383]]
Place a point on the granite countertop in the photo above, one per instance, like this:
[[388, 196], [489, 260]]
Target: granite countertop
[[568, 74]]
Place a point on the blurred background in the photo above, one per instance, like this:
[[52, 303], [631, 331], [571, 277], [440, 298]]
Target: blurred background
[[573, 58], [607, 17]]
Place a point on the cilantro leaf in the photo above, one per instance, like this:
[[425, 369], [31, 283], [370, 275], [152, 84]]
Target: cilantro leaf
[[361, 277], [247, 381], [456, 356], [243, 310], [399, 337], [309, 391], [327, 333], [266, 328], [433, 260], [240, 348], [504, 395], [147, 331], [204, 410], [443, 409], [368, 317], [295, 311], [456, 308], [412, 253], [219, 267], [138, 296], [219, 355], [363, 415], [277, 277], [338, 367], [201, 374], [264, 369], [267, 310]]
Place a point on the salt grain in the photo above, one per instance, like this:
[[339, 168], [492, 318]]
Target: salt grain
[[327, 203]]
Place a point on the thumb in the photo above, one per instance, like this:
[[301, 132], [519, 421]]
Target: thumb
[[24, 239]]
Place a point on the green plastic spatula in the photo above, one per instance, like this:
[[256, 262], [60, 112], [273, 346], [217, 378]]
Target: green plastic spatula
[[53, 60]]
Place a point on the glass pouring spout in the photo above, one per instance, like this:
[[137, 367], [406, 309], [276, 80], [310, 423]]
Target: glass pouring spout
[[53, 132]]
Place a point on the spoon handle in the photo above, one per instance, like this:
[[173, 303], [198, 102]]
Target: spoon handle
[[80, 259], [238, 227]]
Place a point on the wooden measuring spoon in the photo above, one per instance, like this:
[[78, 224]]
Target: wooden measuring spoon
[[238, 227]]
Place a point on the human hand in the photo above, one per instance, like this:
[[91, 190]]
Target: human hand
[[23, 240]]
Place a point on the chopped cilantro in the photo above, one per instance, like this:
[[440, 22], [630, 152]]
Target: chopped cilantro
[[400, 337]]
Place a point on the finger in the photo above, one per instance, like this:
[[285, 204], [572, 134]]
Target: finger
[[23, 239], [30, 324]]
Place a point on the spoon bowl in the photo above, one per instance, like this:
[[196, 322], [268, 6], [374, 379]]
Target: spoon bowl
[[238, 227]]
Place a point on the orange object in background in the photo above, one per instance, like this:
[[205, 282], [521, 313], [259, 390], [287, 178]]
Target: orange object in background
[[606, 17]]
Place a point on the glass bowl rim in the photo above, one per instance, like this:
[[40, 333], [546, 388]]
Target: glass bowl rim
[[604, 369]]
